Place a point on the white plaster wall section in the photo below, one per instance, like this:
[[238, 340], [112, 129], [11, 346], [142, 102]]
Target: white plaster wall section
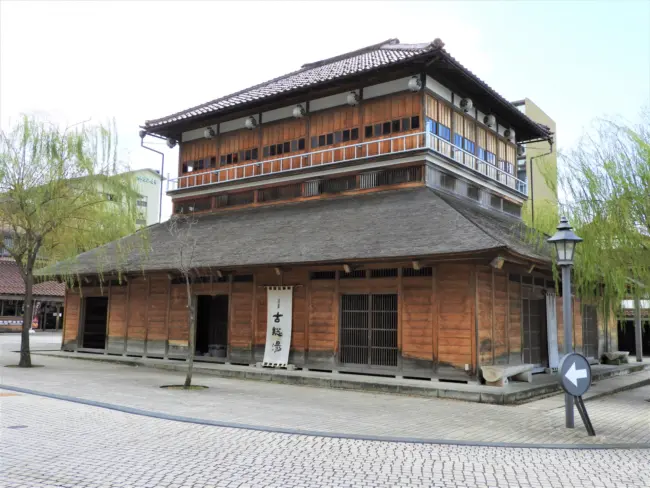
[[439, 89], [330, 101], [386, 88], [502, 130], [236, 124], [148, 183], [280, 113], [191, 135]]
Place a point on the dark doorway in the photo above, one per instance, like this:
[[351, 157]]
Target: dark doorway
[[589, 331], [369, 330], [626, 336], [212, 326], [535, 347], [94, 327]]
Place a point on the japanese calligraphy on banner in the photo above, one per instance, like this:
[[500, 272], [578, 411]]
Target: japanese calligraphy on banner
[[278, 325]]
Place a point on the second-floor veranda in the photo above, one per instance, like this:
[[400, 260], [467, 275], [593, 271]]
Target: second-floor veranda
[[494, 170]]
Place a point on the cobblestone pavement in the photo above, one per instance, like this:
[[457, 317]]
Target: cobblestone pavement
[[619, 419], [53, 443]]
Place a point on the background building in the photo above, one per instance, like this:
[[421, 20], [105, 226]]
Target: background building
[[537, 163], [148, 184]]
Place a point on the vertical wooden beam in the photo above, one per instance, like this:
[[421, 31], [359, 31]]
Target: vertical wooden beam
[[126, 319], [307, 316], [508, 317], [108, 317], [146, 318], [337, 315], [400, 321], [229, 328], [493, 307], [65, 307], [169, 301], [435, 320], [475, 336], [254, 318]]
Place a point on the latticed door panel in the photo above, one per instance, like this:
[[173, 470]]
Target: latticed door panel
[[369, 330]]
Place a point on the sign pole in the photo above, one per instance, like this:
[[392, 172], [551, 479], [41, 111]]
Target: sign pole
[[575, 379], [568, 337]]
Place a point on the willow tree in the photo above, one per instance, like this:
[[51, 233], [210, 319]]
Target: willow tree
[[604, 185], [61, 193]]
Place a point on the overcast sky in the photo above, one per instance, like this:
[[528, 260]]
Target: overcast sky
[[72, 61]]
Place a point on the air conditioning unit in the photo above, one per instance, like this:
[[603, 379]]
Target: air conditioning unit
[[352, 98], [250, 123], [299, 111], [415, 84], [209, 133], [490, 121], [466, 104], [521, 151], [509, 134]]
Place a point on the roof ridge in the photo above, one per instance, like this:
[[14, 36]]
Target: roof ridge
[[356, 52]]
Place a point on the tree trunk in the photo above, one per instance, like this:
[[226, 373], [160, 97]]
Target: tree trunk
[[25, 356], [192, 344]]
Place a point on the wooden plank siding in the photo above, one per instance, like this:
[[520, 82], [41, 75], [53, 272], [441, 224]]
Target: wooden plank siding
[[458, 315]]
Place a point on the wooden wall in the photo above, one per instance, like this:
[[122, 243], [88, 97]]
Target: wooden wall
[[464, 314]]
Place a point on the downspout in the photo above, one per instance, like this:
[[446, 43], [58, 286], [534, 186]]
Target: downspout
[[162, 172]]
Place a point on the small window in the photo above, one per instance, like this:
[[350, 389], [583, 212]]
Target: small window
[[235, 158], [481, 153], [495, 201], [406, 124], [222, 160], [385, 128], [368, 131], [377, 132], [272, 150], [396, 126], [491, 158], [242, 155], [354, 134], [242, 278], [140, 222], [279, 149], [415, 122], [199, 164], [286, 147], [511, 208], [444, 132], [468, 146], [294, 145], [190, 166], [301, 144], [321, 140], [314, 142], [330, 138], [254, 153], [213, 162], [338, 137], [447, 181], [346, 135], [322, 275], [458, 140], [247, 155], [472, 192], [184, 167]]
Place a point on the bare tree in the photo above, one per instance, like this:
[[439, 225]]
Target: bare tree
[[180, 227]]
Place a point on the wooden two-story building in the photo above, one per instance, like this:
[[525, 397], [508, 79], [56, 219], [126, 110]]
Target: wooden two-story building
[[380, 187]]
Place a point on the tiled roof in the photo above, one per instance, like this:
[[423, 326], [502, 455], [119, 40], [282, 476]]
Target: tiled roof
[[355, 62], [384, 225], [11, 283]]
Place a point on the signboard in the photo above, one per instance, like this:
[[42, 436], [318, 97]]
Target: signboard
[[575, 374], [278, 325]]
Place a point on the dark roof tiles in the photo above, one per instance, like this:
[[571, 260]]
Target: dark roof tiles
[[383, 225], [11, 283]]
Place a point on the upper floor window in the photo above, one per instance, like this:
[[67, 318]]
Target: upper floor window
[[141, 203], [335, 138], [392, 126], [199, 164], [283, 148], [238, 157]]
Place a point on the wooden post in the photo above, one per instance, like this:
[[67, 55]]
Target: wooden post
[[58, 318], [337, 315], [146, 318], [126, 319], [400, 322], [254, 318], [492, 307], [169, 301], [108, 317], [435, 322]]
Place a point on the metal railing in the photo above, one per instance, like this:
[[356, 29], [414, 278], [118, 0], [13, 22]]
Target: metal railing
[[353, 152]]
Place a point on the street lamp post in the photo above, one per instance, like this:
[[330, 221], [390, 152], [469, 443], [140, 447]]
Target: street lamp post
[[565, 242]]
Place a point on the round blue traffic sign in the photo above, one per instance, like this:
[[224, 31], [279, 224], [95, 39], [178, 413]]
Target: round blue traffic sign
[[574, 374]]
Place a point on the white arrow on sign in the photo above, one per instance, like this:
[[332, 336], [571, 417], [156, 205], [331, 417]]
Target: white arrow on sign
[[573, 375]]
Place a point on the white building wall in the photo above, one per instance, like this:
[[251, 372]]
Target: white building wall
[[148, 184]]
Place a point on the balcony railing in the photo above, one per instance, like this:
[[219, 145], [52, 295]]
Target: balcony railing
[[354, 152]]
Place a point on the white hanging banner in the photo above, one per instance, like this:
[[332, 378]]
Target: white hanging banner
[[278, 325], [551, 331]]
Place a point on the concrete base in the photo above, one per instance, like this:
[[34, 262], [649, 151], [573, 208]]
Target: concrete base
[[499, 375], [616, 357]]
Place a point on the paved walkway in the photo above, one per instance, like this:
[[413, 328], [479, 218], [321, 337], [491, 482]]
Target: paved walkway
[[623, 418], [52, 443]]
